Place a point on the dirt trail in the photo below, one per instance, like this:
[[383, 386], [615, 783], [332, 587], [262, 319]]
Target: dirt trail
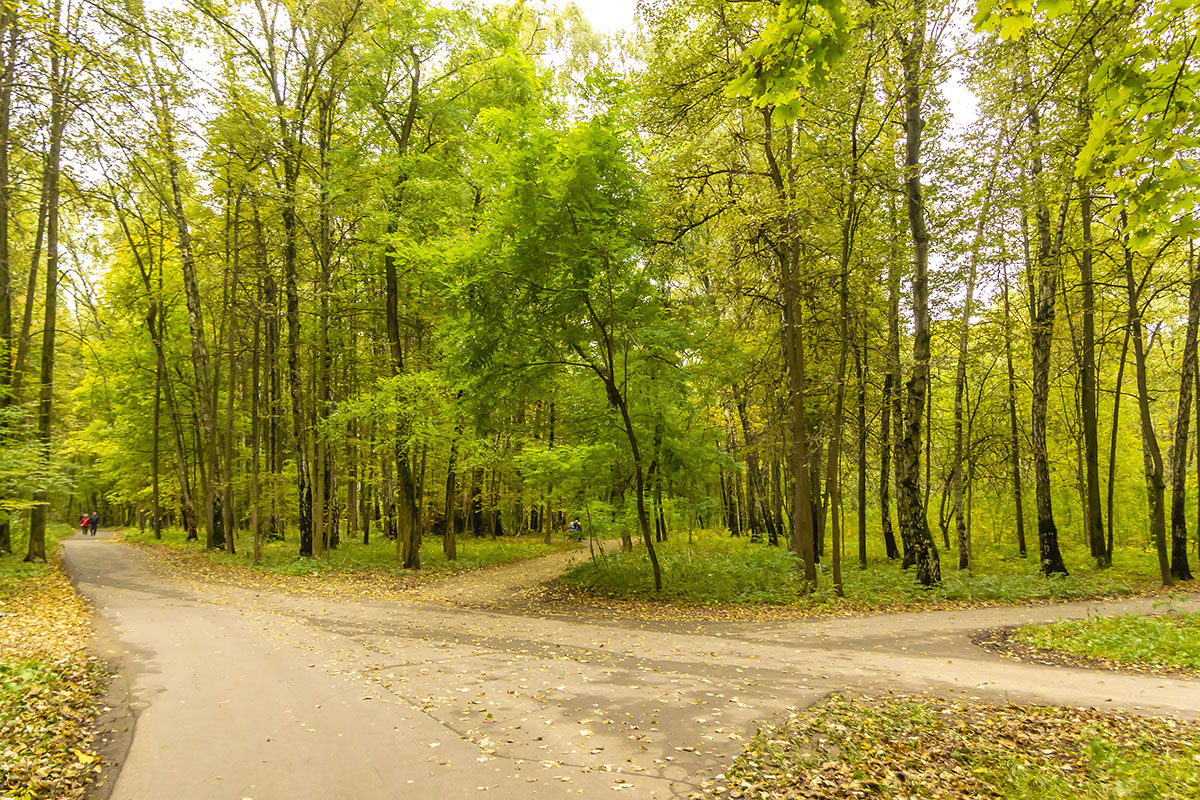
[[256, 694], [511, 586]]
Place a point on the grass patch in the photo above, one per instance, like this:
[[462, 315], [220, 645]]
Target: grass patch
[[49, 682], [353, 557], [716, 569], [896, 746], [1164, 641]]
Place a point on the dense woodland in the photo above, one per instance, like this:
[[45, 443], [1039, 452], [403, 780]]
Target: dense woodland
[[330, 270]]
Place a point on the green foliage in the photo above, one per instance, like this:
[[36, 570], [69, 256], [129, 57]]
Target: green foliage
[[796, 50], [1169, 640], [354, 557], [1145, 131], [715, 569], [1011, 19]]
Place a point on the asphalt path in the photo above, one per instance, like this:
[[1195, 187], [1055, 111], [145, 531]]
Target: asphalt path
[[233, 693]]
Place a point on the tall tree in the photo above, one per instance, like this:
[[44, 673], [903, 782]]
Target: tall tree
[[911, 505], [60, 85], [1183, 410]]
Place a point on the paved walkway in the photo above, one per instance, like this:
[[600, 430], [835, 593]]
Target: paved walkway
[[240, 694]]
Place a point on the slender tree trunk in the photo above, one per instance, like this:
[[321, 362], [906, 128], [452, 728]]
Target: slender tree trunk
[[1112, 447], [1043, 336], [911, 507], [450, 539], [157, 325], [58, 119], [26, 337], [547, 511], [791, 333], [849, 229], [273, 388], [960, 380], [1179, 543], [256, 431], [755, 495], [639, 480], [200, 361], [8, 25], [1014, 441], [156, 500], [890, 413], [860, 368], [322, 538], [1153, 457], [295, 379], [1095, 525], [231, 344]]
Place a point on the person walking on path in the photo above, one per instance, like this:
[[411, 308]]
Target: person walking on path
[[93, 522], [84, 523]]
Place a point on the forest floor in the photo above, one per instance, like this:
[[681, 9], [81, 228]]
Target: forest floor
[[452, 687], [51, 681]]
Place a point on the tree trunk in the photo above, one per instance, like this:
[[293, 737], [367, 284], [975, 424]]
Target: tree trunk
[[1091, 444], [791, 334], [274, 393], [256, 431], [1179, 542], [640, 485], [1153, 457], [860, 358], [890, 413], [1043, 336], [450, 539], [960, 378], [231, 343], [156, 500], [1014, 442], [8, 25], [547, 514], [755, 501], [199, 349], [911, 506], [1112, 447], [58, 119]]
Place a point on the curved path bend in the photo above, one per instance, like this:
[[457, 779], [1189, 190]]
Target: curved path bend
[[237, 694]]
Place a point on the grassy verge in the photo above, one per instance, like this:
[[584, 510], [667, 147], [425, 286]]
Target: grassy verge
[[1164, 641], [904, 747], [716, 569], [49, 684], [374, 564]]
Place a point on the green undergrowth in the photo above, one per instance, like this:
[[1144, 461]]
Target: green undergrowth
[[13, 569], [717, 569], [1170, 640], [352, 556], [906, 747]]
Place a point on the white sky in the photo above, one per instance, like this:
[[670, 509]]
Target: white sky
[[608, 16]]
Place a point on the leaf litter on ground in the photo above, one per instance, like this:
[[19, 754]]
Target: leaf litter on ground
[[50, 688], [902, 746]]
